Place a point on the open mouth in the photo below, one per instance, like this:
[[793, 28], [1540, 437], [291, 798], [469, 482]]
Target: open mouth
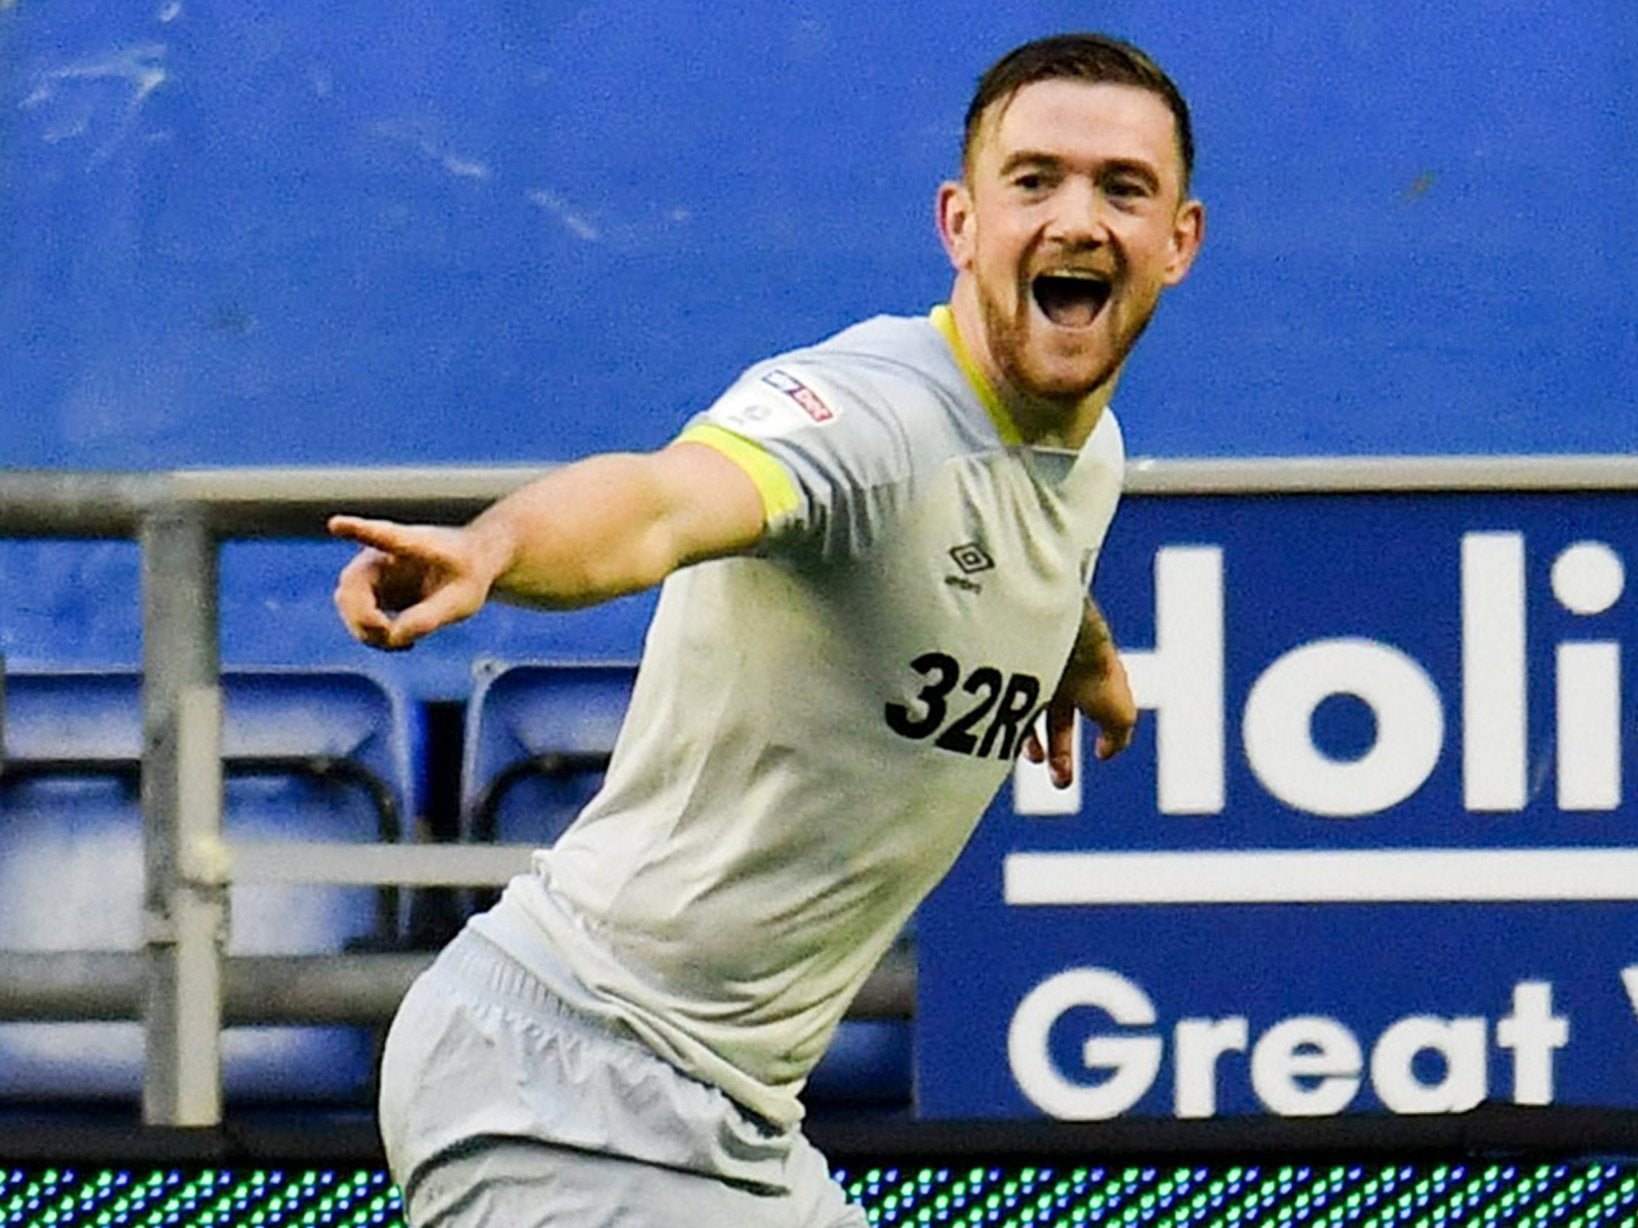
[[1070, 298]]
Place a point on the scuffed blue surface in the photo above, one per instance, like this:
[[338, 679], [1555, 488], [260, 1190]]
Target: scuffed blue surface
[[307, 234]]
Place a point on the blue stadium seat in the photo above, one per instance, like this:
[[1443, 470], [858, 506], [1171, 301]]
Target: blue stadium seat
[[867, 1066], [320, 754], [538, 737]]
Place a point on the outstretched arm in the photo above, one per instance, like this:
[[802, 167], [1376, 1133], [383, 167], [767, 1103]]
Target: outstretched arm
[[586, 533], [1093, 682]]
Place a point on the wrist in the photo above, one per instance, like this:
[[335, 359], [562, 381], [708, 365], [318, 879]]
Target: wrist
[[492, 548], [1095, 651]]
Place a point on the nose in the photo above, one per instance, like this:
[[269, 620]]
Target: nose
[[1082, 215]]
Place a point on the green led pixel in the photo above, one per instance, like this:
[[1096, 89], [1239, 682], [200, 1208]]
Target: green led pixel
[[1452, 1196]]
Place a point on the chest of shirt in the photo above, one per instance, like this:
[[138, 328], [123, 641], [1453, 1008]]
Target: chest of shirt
[[962, 616]]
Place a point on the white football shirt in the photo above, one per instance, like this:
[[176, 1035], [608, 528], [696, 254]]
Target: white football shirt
[[817, 727]]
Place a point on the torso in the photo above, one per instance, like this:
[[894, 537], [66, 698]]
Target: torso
[[815, 731]]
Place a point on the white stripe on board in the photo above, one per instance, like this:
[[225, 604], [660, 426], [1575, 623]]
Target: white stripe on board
[[1305, 877]]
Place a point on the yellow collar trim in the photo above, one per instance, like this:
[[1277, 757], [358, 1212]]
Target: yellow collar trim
[[944, 320]]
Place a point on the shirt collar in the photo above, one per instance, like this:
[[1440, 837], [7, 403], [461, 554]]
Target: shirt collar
[[944, 320]]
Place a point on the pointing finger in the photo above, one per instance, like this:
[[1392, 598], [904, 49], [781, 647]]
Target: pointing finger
[[416, 541]]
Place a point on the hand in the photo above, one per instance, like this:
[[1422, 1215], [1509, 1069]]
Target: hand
[[1100, 690], [408, 581]]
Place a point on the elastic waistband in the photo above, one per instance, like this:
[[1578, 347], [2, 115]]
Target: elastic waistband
[[484, 969]]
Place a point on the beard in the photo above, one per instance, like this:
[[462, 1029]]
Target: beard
[[1007, 334]]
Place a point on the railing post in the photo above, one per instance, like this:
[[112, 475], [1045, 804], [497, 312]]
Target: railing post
[[185, 899]]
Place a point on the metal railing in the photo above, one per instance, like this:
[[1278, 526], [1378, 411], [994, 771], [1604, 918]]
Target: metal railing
[[182, 985]]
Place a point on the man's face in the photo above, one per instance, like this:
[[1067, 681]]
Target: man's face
[[1070, 223]]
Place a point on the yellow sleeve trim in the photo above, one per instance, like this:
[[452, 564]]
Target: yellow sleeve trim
[[944, 321], [773, 483]]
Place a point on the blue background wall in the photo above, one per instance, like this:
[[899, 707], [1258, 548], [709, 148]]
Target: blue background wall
[[299, 233]]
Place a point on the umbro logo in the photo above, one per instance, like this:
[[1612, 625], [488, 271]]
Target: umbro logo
[[971, 558]]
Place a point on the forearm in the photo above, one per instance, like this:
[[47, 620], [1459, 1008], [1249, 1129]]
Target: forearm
[[610, 525], [575, 537]]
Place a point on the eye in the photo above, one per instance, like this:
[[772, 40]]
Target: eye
[[1128, 191], [1035, 182]]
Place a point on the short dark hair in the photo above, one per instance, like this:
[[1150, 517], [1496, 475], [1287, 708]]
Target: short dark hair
[[1095, 58]]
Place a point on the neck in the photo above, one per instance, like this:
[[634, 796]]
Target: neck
[[1061, 424], [1050, 422]]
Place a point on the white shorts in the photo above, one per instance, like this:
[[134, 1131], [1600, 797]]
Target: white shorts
[[500, 1104]]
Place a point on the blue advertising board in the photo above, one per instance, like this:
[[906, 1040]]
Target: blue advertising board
[[1375, 849]]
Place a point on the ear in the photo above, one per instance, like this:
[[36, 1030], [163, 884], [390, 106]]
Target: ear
[[1188, 232], [955, 223]]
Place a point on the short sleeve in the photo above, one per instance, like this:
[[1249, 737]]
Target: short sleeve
[[824, 446]]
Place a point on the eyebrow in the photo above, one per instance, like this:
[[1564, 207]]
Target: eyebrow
[[1028, 157]]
